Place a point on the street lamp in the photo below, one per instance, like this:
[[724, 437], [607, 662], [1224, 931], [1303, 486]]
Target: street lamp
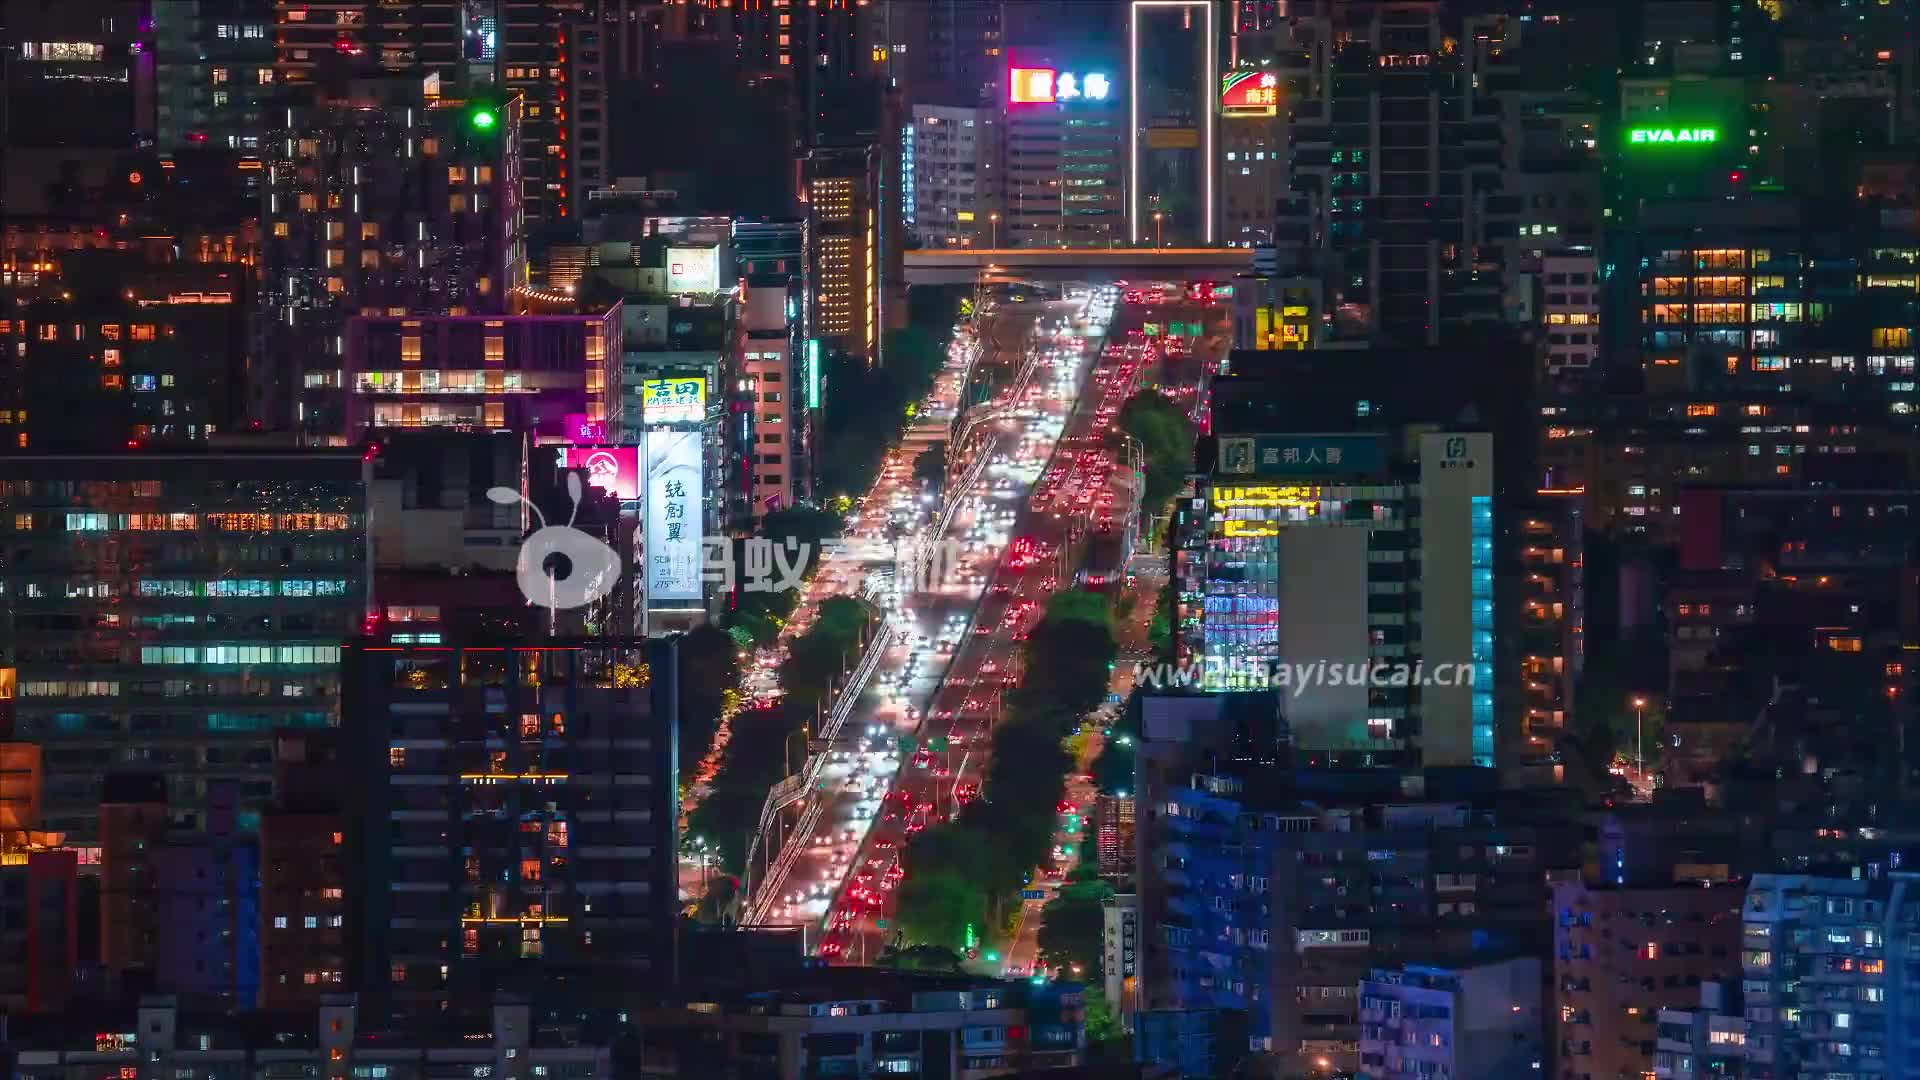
[[1159, 235], [994, 219]]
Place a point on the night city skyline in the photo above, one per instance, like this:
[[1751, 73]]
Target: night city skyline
[[778, 539]]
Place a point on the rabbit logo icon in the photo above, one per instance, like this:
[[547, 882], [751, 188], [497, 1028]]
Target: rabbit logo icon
[[591, 567]]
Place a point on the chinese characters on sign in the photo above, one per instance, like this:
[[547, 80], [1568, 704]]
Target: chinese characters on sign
[[674, 494], [673, 401], [1249, 93], [1045, 86], [1281, 455], [584, 432]]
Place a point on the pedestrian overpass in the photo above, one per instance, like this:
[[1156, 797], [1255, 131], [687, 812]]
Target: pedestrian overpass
[[957, 266]]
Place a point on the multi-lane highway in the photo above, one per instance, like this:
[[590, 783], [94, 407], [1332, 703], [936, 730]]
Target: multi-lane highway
[[1083, 491], [1052, 480], [848, 797]]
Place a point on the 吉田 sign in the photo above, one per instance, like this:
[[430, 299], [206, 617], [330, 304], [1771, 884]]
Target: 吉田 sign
[[673, 401]]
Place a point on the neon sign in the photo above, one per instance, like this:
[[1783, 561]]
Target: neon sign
[[1046, 86], [1249, 93], [1673, 136]]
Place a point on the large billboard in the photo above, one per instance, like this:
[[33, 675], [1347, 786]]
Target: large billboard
[[609, 468], [1047, 86], [675, 495], [693, 269], [673, 401], [1250, 93]]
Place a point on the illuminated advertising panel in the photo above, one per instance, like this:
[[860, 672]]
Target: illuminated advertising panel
[[584, 432], [1671, 137], [1047, 86], [675, 494], [693, 269], [1249, 93], [609, 468], [673, 401], [813, 373], [1030, 86]]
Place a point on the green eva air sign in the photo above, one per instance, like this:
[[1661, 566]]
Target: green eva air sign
[[1667, 136]]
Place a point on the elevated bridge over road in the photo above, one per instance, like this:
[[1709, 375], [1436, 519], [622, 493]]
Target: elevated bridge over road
[[954, 266]]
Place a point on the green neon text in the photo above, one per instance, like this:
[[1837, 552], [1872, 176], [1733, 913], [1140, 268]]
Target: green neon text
[[1673, 135]]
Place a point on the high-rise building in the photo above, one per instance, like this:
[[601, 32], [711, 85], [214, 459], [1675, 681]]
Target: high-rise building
[[214, 74], [1549, 576], [517, 818], [773, 260], [1303, 549], [1172, 127], [169, 611], [1392, 216], [1275, 890], [1063, 166], [951, 175], [843, 203], [305, 874], [1624, 952], [547, 51], [382, 198], [79, 79], [1824, 985], [115, 353]]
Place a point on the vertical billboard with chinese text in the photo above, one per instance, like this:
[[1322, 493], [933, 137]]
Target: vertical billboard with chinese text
[[675, 496]]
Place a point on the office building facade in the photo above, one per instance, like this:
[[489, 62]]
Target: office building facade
[[522, 372], [844, 208], [214, 77], [382, 198], [547, 52], [168, 612], [519, 818], [951, 176], [1624, 952], [1392, 218], [1311, 549]]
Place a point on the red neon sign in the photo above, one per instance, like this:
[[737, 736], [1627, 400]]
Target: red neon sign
[[1030, 86]]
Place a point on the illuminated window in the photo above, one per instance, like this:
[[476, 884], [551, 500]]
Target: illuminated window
[[496, 415], [142, 332], [410, 349], [279, 228], [494, 349], [110, 357], [397, 757], [1892, 337], [457, 202]]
